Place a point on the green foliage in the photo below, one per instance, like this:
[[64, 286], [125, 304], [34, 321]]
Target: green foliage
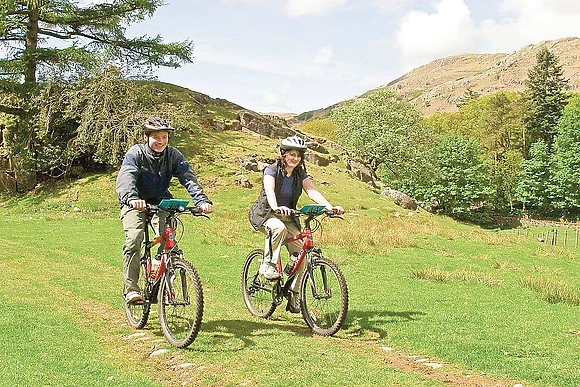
[[93, 122], [503, 179], [567, 157], [545, 97], [321, 127], [467, 96], [535, 188], [94, 33], [495, 121], [384, 131], [460, 179], [90, 37]]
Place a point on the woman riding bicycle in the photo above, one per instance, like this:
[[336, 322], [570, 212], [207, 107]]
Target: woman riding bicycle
[[282, 186], [144, 179]]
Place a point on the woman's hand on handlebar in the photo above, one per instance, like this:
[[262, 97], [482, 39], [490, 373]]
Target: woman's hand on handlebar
[[283, 210], [138, 204], [337, 210]]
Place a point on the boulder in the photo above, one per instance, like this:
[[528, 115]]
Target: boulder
[[315, 158], [401, 199], [361, 171]]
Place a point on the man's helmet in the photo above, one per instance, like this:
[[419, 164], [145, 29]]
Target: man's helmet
[[156, 124], [293, 142]]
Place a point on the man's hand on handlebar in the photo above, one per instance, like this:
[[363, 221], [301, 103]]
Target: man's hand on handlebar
[[138, 204], [206, 208]]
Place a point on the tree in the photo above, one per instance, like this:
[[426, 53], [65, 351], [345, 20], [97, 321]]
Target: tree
[[535, 188], [567, 158], [47, 37], [467, 96], [545, 98], [460, 179], [385, 131], [504, 179]]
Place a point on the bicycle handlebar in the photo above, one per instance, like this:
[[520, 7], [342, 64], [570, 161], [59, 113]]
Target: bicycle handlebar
[[329, 213], [195, 211]]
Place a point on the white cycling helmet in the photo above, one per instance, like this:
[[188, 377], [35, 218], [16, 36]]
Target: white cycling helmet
[[293, 142], [156, 124]]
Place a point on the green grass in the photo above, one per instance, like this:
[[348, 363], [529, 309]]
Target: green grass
[[474, 300]]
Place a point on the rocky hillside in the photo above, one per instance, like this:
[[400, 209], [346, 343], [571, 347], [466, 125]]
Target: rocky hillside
[[438, 85]]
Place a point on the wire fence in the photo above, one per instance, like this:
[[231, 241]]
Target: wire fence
[[554, 236]]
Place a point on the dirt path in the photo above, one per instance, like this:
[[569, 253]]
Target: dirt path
[[146, 350]]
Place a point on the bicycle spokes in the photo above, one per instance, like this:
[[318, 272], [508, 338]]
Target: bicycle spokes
[[323, 312], [181, 304]]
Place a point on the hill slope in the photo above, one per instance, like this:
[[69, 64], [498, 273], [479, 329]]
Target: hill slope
[[437, 86]]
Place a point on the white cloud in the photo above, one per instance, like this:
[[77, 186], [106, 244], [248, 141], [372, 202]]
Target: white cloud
[[324, 55], [319, 64], [530, 21], [275, 96], [312, 7], [422, 36]]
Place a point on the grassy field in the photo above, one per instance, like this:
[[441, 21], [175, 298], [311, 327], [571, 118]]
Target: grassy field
[[433, 302]]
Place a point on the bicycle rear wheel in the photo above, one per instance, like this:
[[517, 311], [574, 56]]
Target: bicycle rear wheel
[[138, 313], [180, 303], [256, 289], [323, 297]]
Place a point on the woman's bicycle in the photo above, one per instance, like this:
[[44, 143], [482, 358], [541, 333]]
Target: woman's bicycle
[[323, 292], [168, 280]]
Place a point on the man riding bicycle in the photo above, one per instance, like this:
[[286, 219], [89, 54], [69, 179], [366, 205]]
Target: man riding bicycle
[[144, 179]]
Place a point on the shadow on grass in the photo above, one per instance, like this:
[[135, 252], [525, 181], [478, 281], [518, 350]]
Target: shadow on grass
[[235, 335], [373, 324]]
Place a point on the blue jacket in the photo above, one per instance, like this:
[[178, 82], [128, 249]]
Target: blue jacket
[[143, 175]]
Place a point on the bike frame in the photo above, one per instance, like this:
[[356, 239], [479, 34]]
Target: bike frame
[[307, 247], [168, 240], [308, 244]]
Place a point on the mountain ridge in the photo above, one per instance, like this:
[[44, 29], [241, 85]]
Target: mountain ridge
[[439, 85]]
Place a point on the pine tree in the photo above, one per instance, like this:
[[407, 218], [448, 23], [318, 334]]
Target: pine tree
[[545, 97], [46, 37]]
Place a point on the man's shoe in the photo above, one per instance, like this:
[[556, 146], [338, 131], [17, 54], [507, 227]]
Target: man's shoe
[[132, 297], [293, 305], [270, 271]]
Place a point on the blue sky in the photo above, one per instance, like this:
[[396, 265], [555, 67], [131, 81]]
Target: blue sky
[[293, 56]]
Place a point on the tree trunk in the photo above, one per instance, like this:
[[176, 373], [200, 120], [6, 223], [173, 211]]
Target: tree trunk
[[22, 148]]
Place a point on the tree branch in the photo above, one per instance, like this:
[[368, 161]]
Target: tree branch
[[11, 110]]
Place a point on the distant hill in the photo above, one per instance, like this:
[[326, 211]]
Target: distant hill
[[438, 85]]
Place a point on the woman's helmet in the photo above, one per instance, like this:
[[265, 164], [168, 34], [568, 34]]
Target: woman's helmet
[[156, 124], [293, 142]]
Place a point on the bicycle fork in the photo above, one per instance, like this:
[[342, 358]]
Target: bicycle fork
[[327, 293]]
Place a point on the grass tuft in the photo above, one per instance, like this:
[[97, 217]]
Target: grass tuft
[[551, 290], [436, 274]]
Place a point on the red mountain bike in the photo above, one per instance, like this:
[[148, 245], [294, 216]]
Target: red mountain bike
[[168, 280], [323, 291]]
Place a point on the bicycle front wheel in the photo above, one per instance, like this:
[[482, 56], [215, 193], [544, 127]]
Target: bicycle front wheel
[[138, 313], [323, 297], [256, 289], [180, 303]]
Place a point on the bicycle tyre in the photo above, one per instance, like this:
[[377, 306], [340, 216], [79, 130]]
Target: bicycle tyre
[[180, 316], [256, 289], [323, 297], [138, 313]]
